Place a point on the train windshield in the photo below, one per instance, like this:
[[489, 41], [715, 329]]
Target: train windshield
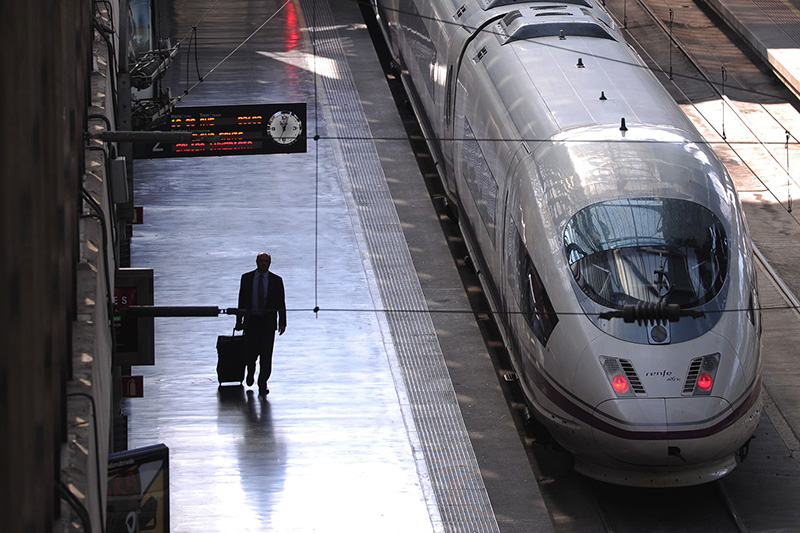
[[647, 250]]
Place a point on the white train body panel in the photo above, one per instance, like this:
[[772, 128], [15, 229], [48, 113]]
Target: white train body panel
[[569, 214]]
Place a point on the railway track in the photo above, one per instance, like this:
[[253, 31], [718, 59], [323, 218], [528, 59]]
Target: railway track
[[747, 112], [689, 509]]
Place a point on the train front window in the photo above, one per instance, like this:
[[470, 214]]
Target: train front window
[[647, 250]]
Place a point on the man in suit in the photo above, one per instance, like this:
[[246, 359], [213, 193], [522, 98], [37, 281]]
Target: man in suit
[[261, 299]]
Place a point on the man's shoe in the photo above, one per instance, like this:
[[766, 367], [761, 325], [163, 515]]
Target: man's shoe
[[264, 391]]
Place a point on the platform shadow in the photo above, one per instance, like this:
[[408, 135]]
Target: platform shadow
[[260, 454]]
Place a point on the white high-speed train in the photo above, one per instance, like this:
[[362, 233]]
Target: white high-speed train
[[608, 236]]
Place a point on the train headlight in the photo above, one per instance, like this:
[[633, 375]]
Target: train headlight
[[705, 381], [620, 384], [622, 377], [701, 374]]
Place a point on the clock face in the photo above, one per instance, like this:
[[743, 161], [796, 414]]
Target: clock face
[[284, 127]]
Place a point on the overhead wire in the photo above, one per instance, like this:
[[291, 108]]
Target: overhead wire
[[726, 102], [654, 70], [471, 29], [194, 26], [317, 137], [491, 312], [232, 52], [192, 39]]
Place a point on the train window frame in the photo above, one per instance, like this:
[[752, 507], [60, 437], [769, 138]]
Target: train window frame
[[532, 298], [481, 183], [448, 112], [609, 247]]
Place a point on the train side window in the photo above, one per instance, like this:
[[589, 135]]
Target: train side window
[[480, 180], [448, 97], [532, 296]]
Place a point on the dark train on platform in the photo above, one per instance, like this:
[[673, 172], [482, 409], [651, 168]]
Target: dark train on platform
[[608, 236]]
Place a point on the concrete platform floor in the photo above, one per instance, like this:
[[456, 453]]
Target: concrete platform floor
[[363, 428]]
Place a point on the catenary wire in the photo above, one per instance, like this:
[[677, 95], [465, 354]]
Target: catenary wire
[[442, 22], [318, 137], [547, 45], [730, 105], [486, 311], [236, 49]]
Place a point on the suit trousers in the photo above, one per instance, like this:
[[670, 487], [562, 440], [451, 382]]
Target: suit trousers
[[259, 342]]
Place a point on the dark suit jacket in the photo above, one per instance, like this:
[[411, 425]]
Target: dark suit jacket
[[276, 304]]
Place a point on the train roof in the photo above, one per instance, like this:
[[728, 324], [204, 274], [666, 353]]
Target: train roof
[[600, 124], [571, 60], [585, 168]]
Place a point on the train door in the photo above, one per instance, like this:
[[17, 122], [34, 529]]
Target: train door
[[447, 137], [483, 151], [505, 211]]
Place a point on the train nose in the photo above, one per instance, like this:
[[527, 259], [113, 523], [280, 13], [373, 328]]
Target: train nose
[[656, 432]]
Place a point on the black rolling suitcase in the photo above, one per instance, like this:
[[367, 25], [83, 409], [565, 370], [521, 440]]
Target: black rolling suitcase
[[231, 362]]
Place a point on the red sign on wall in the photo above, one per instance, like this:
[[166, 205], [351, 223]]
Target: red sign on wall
[[134, 336]]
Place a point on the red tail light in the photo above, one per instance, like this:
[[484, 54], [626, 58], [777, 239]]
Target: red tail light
[[705, 381], [620, 384]]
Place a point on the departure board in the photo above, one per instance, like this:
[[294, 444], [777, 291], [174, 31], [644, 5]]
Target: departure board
[[233, 130]]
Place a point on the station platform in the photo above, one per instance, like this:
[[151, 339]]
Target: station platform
[[772, 28], [386, 412]]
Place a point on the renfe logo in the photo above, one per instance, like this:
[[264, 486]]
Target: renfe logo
[[666, 374]]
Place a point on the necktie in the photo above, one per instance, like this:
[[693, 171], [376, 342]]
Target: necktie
[[262, 301]]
